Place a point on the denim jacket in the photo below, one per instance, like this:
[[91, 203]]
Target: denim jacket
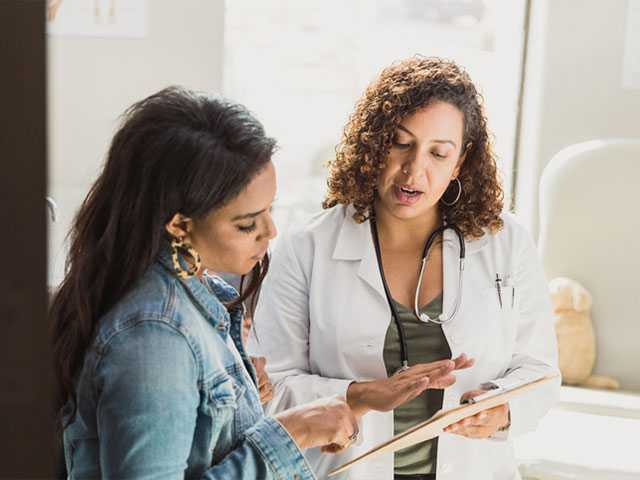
[[167, 391]]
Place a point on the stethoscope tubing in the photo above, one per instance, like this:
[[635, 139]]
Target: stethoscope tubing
[[423, 317]]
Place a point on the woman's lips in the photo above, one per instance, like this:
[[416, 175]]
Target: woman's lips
[[406, 198]]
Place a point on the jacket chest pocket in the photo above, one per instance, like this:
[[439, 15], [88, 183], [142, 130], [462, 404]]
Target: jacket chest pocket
[[219, 409], [249, 409]]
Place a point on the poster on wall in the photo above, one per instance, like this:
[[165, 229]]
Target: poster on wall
[[97, 18]]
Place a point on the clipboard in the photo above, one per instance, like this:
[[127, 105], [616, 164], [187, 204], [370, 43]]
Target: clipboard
[[434, 426]]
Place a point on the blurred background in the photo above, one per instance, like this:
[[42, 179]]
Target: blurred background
[[299, 66], [561, 83]]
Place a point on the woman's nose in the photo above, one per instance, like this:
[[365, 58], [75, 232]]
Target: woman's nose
[[417, 165], [270, 229]]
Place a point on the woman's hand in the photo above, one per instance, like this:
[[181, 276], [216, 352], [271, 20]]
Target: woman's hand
[[482, 424], [265, 388], [328, 423], [386, 394]]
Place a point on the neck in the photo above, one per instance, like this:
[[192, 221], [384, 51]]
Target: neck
[[400, 234]]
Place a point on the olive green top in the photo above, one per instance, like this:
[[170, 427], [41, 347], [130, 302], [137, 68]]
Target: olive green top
[[425, 343]]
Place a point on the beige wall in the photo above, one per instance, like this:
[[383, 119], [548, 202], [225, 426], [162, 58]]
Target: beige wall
[[92, 80], [573, 87]]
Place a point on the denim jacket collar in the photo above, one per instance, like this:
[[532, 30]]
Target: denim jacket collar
[[210, 293]]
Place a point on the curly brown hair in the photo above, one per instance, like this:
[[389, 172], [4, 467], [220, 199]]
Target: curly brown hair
[[402, 89]]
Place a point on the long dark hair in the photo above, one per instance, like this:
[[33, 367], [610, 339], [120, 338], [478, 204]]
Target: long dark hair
[[175, 151]]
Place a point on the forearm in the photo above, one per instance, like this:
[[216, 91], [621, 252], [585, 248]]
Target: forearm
[[294, 388]]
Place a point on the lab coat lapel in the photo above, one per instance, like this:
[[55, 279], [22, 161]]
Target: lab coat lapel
[[450, 258], [369, 270], [451, 266], [355, 243], [456, 331]]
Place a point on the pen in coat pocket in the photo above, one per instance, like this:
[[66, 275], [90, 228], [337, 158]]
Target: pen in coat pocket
[[499, 288]]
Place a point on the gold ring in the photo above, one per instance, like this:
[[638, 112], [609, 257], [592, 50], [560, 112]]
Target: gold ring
[[352, 438]]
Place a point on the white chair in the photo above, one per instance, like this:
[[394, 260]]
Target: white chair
[[590, 231]]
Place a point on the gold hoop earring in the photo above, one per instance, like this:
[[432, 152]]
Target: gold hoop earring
[[178, 244], [459, 194]]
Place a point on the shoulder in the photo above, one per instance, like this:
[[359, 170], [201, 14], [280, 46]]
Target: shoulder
[[513, 229], [320, 231], [157, 306], [297, 250], [323, 224], [513, 239]]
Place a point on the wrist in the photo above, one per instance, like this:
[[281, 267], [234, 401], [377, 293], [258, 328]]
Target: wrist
[[507, 423], [356, 395], [296, 427]]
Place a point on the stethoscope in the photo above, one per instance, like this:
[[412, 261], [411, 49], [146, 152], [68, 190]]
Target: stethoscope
[[416, 309]]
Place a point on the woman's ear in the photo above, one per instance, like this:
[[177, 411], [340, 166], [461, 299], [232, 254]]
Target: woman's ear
[[456, 171], [463, 156], [179, 226]]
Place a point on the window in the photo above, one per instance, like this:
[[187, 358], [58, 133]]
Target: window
[[301, 66]]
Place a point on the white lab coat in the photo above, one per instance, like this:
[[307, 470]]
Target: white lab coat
[[323, 316]]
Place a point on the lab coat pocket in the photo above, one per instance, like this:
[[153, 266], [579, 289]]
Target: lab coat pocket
[[500, 325]]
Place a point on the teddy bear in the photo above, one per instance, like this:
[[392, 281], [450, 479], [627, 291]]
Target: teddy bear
[[574, 331]]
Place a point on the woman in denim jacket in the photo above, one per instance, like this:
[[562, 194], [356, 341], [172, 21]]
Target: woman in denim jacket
[[153, 378]]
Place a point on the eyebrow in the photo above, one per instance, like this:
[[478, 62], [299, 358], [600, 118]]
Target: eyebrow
[[244, 216], [405, 129]]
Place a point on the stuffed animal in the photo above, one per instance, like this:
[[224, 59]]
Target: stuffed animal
[[574, 331]]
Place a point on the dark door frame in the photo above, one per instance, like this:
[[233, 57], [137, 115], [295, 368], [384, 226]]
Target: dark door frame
[[27, 428]]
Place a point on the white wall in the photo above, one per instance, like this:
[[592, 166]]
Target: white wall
[[92, 80], [573, 87], [317, 58]]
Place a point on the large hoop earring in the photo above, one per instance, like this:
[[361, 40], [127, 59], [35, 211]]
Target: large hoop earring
[[451, 204], [177, 245]]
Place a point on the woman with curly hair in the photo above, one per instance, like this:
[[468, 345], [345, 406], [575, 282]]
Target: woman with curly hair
[[376, 300]]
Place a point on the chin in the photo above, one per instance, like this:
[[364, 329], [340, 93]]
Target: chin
[[239, 270], [248, 267], [407, 213]]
